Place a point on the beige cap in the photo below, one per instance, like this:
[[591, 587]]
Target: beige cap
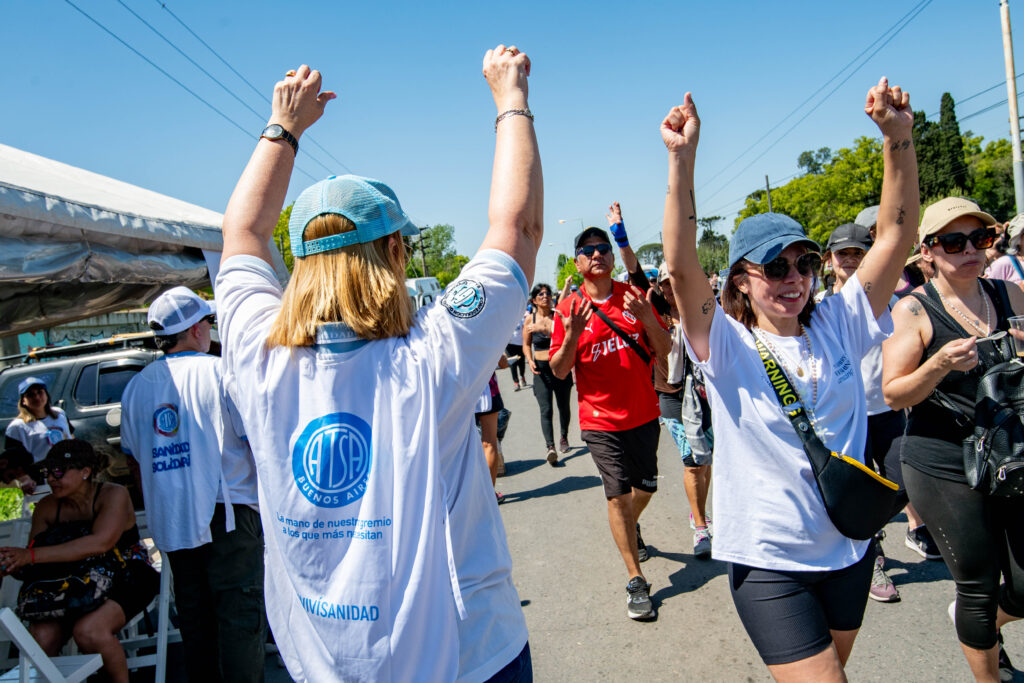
[[1016, 225], [945, 211]]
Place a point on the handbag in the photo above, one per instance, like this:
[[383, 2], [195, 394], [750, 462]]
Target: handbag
[[858, 501], [66, 589], [993, 454]]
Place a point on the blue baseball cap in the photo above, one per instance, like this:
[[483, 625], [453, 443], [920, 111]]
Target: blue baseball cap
[[371, 205], [761, 238], [28, 383]]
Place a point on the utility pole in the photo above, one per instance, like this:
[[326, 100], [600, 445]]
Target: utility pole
[[768, 188], [1011, 93], [423, 259]]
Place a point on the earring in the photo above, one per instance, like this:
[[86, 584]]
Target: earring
[[84, 477]]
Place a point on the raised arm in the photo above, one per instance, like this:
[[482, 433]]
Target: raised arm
[[694, 298], [629, 259], [516, 209], [898, 211], [259, 195]]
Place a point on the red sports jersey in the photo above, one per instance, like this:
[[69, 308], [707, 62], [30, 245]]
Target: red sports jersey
[[613, 383]]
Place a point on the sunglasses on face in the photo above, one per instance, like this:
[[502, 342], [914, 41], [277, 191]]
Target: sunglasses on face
[[589, 250], [212, 319], [543, 292], [778, 268], [56, 472], [955, 242]]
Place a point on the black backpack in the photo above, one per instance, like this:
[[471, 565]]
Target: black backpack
[[994, 453]]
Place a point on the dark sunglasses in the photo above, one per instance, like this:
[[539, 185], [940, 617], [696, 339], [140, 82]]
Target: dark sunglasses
[[955, 242], [543, 292], [56, 472], [778, 268], [589, 250], [212, 319]]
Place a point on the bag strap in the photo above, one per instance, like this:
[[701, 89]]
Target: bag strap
[[1016, 266], [644, 356], [816, 451]]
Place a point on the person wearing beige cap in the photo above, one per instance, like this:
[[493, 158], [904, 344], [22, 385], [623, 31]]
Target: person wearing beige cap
[[941, 345], [1009, 265]]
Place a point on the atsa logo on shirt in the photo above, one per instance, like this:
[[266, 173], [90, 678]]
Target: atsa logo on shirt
[[629, 316], [54, 436], [165, 419], [331, 460], [464, 299]]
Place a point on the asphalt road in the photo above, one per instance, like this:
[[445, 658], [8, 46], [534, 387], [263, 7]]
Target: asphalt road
[[572, 582]]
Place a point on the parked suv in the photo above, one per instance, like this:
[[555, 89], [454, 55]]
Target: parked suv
[[86, 381]]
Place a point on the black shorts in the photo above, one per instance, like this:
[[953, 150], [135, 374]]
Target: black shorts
[[627, 460], [788, 615], [497, 405]]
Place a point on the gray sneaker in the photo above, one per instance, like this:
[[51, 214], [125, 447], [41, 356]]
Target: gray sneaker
[[882, 589], [702, 544], [638, 604]]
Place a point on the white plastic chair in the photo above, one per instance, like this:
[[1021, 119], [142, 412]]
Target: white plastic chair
[[34, 665]]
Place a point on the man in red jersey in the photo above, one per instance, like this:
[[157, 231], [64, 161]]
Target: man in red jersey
[[618, 407]]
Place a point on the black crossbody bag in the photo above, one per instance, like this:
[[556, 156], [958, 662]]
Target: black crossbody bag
[[858, 501]]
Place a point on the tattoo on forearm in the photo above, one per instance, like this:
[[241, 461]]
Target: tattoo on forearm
[[901, 214], [706, 307], [899, 145], [915, 308], [693, 206]]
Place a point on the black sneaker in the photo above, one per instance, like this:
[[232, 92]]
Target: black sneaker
[[641, 547], [921, 542], [638, 604], [563, 445], [1006, 669]]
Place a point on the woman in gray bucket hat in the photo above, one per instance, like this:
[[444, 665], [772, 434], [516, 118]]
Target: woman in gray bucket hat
[[787, 561]]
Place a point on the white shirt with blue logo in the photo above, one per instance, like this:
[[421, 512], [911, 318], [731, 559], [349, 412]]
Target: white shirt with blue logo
[[38, 436], [386, 555], [768, 511], [179, 424]]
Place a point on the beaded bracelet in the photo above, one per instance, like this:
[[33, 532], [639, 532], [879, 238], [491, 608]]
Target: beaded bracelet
[[512, 112]]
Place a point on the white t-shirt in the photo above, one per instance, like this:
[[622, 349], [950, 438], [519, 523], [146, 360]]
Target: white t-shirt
[[38, 436], [768, 511], [179, 424], [386, 554]]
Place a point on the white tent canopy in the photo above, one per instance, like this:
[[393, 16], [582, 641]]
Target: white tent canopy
[[74, 244]]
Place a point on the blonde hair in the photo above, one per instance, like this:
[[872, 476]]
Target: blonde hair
[[361, 285], [26, 415]]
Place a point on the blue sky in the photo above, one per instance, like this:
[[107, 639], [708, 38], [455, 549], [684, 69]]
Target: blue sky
[[414, 111]]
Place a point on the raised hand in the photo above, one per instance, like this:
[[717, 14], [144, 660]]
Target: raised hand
[[680, 130], [614, 214], [618, 228], [506, 70], [577, 320], [298, 102], [890, 109]]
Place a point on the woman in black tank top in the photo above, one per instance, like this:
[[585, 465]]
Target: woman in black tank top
[[97, 518], [943, 342], [536, 345]]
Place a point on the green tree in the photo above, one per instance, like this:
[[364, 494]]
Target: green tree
[[814, 162], [568, 270], [652, 253], [850, 181], [991, 175], [282, 239], [953, 165], [438, 245]]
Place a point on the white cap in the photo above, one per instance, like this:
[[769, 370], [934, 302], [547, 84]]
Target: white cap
[[177, 309]]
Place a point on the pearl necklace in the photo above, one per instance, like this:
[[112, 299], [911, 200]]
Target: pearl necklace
[[973, 323], [807, 355]]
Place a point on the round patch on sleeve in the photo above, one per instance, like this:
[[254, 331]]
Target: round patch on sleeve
[[464, 298]]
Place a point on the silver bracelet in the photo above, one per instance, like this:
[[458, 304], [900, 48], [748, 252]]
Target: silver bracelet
[[512, 112]]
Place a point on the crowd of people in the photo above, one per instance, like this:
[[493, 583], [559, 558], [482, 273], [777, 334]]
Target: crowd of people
[[329, 473]]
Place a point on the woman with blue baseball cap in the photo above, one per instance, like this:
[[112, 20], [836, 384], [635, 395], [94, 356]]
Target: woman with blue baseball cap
[[386, 555], [39, 424], [800, 586]]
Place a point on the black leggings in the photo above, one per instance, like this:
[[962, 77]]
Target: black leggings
[[544, 385], [519, 367], [981, 538]]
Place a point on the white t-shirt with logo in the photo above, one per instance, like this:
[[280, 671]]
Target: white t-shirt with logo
[[768, 511], [38, 436], [386, 554], [177, 422]]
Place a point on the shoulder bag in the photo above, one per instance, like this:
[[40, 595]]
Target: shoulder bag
[[858, 501], [994, 453]]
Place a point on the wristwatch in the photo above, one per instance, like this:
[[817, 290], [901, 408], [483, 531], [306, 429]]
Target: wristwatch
[[277, 132]]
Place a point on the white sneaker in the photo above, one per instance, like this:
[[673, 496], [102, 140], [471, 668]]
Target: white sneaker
[[702, 544]]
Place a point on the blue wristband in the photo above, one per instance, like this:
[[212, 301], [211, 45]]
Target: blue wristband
[[619, 233]]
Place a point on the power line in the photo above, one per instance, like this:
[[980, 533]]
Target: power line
[[821, 101], [1001, 84], [884, 35], [247, 81], [179, 83]]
